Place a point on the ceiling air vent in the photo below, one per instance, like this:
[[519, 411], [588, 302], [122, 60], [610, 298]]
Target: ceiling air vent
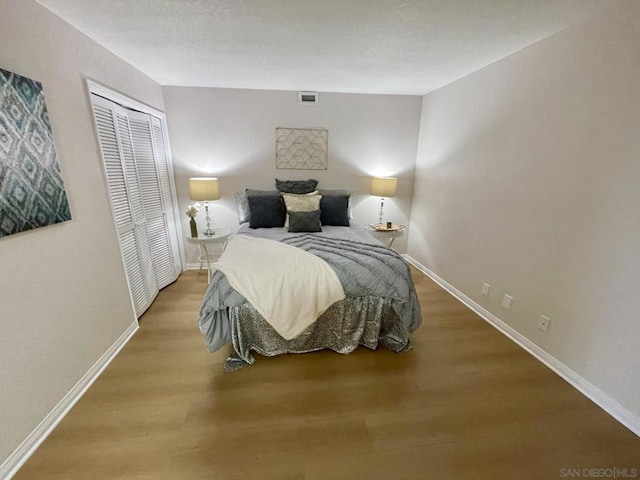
[[308, 98]]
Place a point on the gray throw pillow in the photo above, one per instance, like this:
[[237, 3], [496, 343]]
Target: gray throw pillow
[[257, 193], [296, 186], [334, 210], [327, 192], [266, 211], [304, 221]]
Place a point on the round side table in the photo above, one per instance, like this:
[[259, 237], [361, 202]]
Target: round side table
[[205, 243], [385, 235]]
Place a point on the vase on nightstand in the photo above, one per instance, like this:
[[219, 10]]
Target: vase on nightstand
[[194, 228]]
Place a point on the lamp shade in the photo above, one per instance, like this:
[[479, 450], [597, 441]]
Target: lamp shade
[[202, 188], [384, 186]]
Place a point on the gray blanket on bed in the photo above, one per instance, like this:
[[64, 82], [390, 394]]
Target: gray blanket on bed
[[366, 269]]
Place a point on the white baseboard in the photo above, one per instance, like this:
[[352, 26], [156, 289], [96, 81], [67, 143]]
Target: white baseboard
[[12, 464], [611, 406]]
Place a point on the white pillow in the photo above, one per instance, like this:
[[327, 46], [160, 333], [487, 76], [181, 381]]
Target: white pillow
[[305, 202]]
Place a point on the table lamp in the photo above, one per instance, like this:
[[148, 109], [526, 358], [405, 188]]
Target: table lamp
[[383, 187], [204, 189]]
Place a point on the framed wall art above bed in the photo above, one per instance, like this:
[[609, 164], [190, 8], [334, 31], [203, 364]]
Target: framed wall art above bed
[[302, 148]]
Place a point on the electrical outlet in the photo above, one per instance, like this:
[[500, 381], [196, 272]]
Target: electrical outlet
[[506, 301], [543, 323], [485, 289]]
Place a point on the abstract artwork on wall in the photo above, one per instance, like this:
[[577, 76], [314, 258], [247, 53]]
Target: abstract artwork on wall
[[302, 148], [32, 192]]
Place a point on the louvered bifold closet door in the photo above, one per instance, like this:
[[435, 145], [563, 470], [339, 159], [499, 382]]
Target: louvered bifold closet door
[[150, 188], [166, 190], [135, 200], [113, 158]]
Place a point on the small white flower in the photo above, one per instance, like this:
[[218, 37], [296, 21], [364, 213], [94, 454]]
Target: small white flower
[[192, 210]]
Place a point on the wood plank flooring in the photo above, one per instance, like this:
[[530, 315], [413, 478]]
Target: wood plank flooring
[[466, 403]]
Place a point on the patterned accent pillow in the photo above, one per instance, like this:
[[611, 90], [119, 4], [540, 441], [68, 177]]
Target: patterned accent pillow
[[334, 210], [243, 207], [296, 186], [265, 211], [304, 221], [301, 203]]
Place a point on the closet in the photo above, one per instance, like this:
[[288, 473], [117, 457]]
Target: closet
[[140, 181]]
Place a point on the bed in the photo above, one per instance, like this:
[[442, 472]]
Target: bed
[[379, 305]]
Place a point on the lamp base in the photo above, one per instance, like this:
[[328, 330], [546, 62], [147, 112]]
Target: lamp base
[[208, 231], [381, 210]]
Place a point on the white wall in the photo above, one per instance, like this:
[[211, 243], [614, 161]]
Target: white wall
[[231, 134], [63, 294], [528, 178]]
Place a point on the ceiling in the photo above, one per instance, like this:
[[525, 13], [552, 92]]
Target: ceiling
[[363, 46]]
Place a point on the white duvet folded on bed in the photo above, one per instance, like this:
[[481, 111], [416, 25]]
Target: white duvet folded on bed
[[289, 287]]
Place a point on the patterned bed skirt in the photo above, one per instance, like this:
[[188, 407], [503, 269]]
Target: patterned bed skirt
[[354, 321]]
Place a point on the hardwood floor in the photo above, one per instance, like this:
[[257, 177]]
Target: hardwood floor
[[466, 403]]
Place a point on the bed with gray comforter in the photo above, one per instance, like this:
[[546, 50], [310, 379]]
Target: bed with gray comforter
[[380, 307]]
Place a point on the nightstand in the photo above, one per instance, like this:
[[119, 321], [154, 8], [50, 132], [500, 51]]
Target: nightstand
[[218, 242], [384, 234]]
